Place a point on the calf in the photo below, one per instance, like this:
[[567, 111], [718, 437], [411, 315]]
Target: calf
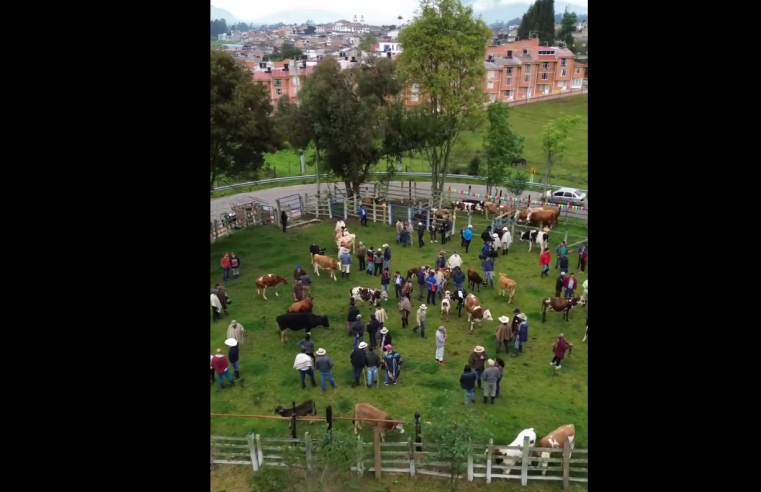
[[560, 305], [475, 312], [506, 285], [269, 280], [326, 263], [303, 306], [364, 411], [509, 456], [474, 280], [299, 321], [446, 304], [542, 239], [301, 410], [368, 294], [556, 440]]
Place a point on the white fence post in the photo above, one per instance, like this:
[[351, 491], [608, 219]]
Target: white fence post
[[308, 449], [489, 451], [411, 448], [252, 450], [259, 450], [470, 463], [525, 459]]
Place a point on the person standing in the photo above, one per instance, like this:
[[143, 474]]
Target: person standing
[[486, 235], [544, 261], [324, 364], [399, 227], [488, 266], [420, 234], [363, 215], [381, 315], [370, 256], [441, 338], [386, 256], [361, 255], [446, 231], [358, 362], [303, 364], [372, 362], [358, 330], [372, 329], [559, 284], [345, 263], [454, 261], [352, 314], [216, 308], [232, 355], [398, 279], [222, 295], [559, 346], [586, 290], [236, 331], [431, 281], [213, 373], [404, 309], [522, 336], [500, 364], [432, 229], [458, 277], [440, 281], [393, 363], [563, 260], [220, 364], [385, 280], [477, 360], [308, 345], [507, 240], [383, 337], [468, 383], [225, 268], [496, 242], [441, 262], [583, 256], [235, 265], [561, 250], [490, 377], [462, 236], [570, 285], [298, 291], [284, 219], [420, 320], [420, 283], [306, 283], [378, 262], [504, 333]]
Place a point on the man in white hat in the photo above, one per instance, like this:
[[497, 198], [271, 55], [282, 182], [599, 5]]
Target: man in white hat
[[232, 355], [358, 362], [421, 320], [324, 364], [504, 333], [420, 234], [236, 331], [507, 240], [476, 361], [497, 244]]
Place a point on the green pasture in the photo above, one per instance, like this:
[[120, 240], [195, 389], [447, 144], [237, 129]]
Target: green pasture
[[531, 396]]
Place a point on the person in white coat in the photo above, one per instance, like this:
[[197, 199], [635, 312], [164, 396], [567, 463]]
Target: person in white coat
[[216, 308], [497, 244], [441, 338], [586, 290], [454, 261], [507, 240]]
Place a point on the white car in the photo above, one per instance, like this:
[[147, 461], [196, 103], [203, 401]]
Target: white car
[[567, 196]]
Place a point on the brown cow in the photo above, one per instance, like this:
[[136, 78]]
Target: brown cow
[[474, 280], [556, 440], [506, 285], [326, 263], [475, 312], [407, 289], [560, 304], [364, 411], [548, 216], [303, 306], [493, 208], [413, 271], [269, 280]]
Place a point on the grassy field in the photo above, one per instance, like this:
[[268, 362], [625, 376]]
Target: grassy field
[[531, 397], [527, 119]]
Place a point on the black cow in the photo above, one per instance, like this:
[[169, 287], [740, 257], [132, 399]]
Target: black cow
[[316, 250], [459, 296], [520, 161], [301, 410], [536, 236], [299, 321]]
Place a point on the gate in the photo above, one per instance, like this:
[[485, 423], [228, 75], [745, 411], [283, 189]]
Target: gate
[[420, 214], [293, 205]]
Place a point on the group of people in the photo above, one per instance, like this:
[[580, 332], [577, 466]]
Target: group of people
[[404, 231], [220, 364]]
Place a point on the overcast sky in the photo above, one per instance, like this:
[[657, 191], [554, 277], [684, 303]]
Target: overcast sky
[[375, 12]]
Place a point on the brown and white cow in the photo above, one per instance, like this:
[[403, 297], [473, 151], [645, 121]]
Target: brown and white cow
[[346, 241], [326, 263], [368, 294], [560, 305], [475, 312], [556, 440], [364, 411], [493, 208], [269, 280], [446, 304]]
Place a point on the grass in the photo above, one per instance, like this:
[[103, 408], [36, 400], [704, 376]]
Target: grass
[[528, 120], [531, 397]]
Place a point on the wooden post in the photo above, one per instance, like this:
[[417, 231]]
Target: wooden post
[[252, 450], [293, 421], [489, 451], [302, 211], [418, 433], [259, 450], [330, 206], [329, 418], [525, 459], [566, 465], [374, 217], [470, 463], [308, 449], [377, 452], [347, 204], [359, 455], [411, 450], [565, 238]]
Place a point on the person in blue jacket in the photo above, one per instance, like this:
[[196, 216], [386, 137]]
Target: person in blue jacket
[[488, 265], [431, 281], [363, 215], [467, 235], [522, 337]]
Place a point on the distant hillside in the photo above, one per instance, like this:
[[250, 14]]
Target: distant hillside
[[505, 12], [223, 14]]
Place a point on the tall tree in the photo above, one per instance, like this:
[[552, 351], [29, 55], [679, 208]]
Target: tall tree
[[567, 28], [367, 42], [444, 50], [241, 127], [217, 27], [502, 144], [555, 142], [540, 18]]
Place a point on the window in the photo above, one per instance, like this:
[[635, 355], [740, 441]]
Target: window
[[415, 97], [568, 195], [509, 81], [524, 91], [509, 94], [527, 69], [509, 72], [558, 194], [576, 83], [563, 62], [490, 75], [545, 66], [278, 82], [279, 92], [545, 76], [490, 84], [563, 72], [544, 88], [578, 70], [492, 97], [415, 87], [527, 79], [561, 84], [525, 51]]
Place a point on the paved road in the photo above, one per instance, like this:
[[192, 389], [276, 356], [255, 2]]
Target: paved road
[[222, 204]]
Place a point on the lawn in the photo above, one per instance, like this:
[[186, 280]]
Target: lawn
[[528, 120], [531, 397]]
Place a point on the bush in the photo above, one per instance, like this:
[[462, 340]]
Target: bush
[[474, 166]]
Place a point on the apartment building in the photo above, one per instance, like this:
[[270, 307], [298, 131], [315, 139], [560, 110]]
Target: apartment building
[[285, 80]]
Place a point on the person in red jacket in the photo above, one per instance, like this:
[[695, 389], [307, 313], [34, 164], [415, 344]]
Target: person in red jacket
[[570, 284], [544, 260], [220, 364], [226, 267], [558, 348]]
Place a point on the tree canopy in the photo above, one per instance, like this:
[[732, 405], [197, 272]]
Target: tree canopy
[[286, 51], [242, 129], [567, 28], [502, 144], [540, 18]]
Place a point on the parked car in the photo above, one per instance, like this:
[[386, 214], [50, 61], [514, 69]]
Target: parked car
[[567, 196]]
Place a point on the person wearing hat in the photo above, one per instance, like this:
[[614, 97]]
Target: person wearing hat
[[570, 285], [467, 236], [476, 360], [583, 256], [441, 338], [383, 337], [386, 256], [561, 250], [358, 362], [399, 227], [345, 258], [515, 324], [504, 333], [372, 362], [216, 307], [232, 355], [441, 262], [468, 383], [298, 272], [377, 262], [420, 234], [454, 261], [490, 377], [420, 318], [324, 364], [303, 363], [393, 362], [404, 309], [235, 266], [222, 295], [372, 329], [544, 261], [559, 284], [507, 240], [358, 330], [220, 364], [458, 277], [496, 243], [559, 347], [431, 281], [522, 335], [225, 267], [385, 280]]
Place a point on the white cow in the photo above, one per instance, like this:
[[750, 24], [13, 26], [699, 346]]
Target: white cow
[[507, 458], [540, 238], [339, 225], [446, 304]]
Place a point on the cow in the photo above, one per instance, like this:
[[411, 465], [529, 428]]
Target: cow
[[560, 304], [459, 296], [468, 205], [301, 410], [364, 411], [316, 250], [303, 306], [547, 216], [326, 263], [346, 241], [368, 294], [475, 312], [299, 321], [507, 457], [556, 440], [440, 213], [474, 280], [269, 280], [340, 224], [493, 208], [507, 285], [542, 239], [413, 271], [407, 289], [446, 304]]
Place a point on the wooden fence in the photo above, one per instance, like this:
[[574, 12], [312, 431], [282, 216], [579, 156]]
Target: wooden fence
[[407, 458]]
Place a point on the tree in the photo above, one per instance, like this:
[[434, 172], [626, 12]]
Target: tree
[[555, 141], [567, 28], [241, 127], [501, 144], [286, 51], [540, 17], [444, 50], [515, 183], [367, 43], [217, 27]]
